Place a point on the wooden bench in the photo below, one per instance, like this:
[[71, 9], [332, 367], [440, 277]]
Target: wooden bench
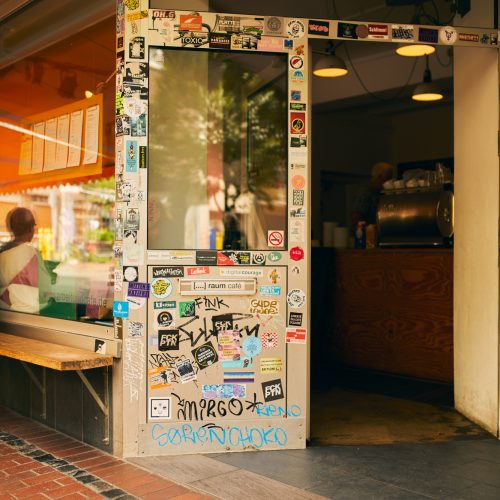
[[61, 358]]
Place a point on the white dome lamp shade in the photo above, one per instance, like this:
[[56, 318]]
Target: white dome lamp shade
[[427, 90], [328, 65]]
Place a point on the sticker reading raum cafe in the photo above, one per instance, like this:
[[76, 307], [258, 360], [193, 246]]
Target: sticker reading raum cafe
[[217, 287]]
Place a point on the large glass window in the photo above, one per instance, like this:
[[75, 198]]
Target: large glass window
[[57, 186], [218, 154]]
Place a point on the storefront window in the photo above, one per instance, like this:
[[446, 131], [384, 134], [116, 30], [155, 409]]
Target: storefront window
[[218, 155], [57, 169]]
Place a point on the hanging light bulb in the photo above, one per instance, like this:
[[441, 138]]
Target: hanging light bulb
[[415, 49], [329, 65], [427, 90]]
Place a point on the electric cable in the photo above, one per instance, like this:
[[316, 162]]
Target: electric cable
[[373, 94]]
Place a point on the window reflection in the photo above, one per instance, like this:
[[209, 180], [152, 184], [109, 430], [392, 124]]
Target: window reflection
[[56, 255], [217, 169]]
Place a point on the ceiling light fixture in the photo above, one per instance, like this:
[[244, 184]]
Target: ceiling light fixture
[[329, 65], [415, 49], [99, 88], [427, 90]]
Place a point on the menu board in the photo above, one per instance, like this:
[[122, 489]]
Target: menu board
[[63, 143]]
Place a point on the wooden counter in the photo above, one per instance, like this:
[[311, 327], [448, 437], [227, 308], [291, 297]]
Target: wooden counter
[[394, 311]]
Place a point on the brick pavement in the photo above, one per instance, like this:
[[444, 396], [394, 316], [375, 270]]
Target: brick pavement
[[37, 462]]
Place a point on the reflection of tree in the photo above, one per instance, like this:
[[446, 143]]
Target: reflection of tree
[[199, 101], [267, 142]]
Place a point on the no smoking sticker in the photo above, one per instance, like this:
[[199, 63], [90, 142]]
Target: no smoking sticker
[[275, 238]]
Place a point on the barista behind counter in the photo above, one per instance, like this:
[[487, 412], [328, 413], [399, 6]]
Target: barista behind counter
[[366, 202]]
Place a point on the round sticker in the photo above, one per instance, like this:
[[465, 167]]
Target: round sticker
[[258, 258], [161, 288], [298, 181], [295, 28], [298, 125], [130, 273], [274, 256], [296, 298], [296, 253], [448, 35], [134, 107], [274, 24], [296, 62], [252, 346], [362, 30], [165, 318]]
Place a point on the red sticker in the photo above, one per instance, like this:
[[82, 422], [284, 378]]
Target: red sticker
[[297, 123], [190, 23], [298, 181], [296, 335], [196, 271], [296, 253], [224, 260]]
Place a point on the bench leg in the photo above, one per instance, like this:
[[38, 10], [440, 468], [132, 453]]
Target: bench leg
[[42, 386], [103, 405]]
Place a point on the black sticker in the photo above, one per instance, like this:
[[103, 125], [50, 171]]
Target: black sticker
[[319, 28], [168, 340], [136, 48], [244, 258], [168, 272], [205, 355], [297, 106], [295, 319], [427, 35], [165, 319], [119, 43], [220, 41], [136, 72], [347, 30], [272, 390], [222, 322], [100, 346], [258, 258], [206, 258]]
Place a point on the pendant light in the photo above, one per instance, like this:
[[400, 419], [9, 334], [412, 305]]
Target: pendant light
[[427, 90], [329, 65], [415, 49]]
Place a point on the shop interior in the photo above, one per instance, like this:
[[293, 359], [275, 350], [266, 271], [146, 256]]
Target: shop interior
[[72, 206], [382, 315]]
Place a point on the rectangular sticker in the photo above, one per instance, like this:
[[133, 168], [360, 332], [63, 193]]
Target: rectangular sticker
[[272, 390], [296, 335], [136, 289], [160, 408], [214, 391], [120, 309], [229, 345], [185, 370], [264, 307], [160, 377], [243, 362], [217, 287], [243, 377], [168, 272], [271, 365]]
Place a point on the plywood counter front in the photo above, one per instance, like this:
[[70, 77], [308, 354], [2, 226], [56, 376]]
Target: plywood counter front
[[394, 311]]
